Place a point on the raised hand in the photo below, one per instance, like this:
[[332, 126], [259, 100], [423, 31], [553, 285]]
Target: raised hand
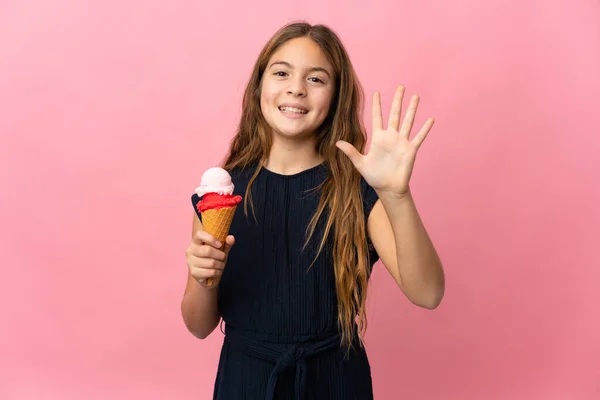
[[388, 165]]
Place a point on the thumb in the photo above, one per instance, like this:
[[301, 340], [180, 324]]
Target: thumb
[[229, 242], [349, 150]]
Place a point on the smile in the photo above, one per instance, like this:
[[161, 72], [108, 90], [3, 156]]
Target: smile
[[292, 110]]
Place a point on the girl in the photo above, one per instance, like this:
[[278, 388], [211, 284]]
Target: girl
[[317, 214]]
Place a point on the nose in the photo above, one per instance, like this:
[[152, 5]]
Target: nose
[[296, 88]]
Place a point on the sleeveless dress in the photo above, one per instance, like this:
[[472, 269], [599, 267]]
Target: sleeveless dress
[[281, 338]]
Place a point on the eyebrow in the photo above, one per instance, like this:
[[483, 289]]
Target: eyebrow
[[313, 69]]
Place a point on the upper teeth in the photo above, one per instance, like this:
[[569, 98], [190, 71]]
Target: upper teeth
[[293, 110]]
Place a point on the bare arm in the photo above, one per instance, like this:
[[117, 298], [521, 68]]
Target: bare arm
[[406, 250]]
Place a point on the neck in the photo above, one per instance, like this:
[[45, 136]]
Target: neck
[[289, 157]]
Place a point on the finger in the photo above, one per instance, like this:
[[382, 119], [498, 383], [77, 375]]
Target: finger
[[377, 118], [205, 263], [396, 110], [203, 237], [349, 150], [229, 242], [206, 273], [420, 137], [207, 251], [409, 118]]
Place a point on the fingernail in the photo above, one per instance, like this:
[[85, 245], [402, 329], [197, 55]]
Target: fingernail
[[218, 244]]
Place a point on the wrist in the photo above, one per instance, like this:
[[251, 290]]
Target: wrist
[[389, 196]]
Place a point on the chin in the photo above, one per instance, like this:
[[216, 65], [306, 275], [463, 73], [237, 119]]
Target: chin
[[293, 134]]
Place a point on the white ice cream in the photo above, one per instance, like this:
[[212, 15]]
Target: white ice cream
[[215, 180]]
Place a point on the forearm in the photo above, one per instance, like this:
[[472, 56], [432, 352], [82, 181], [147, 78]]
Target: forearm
[[419, 266], [199, 309]]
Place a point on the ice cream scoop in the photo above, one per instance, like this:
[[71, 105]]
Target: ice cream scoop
[[215, 180]]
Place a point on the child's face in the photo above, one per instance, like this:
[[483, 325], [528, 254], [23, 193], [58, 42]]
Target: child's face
[[297, 89]]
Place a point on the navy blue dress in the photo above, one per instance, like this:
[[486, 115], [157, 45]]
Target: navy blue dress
[[281, 338]]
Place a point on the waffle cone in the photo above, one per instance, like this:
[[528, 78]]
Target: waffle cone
[[217, 222]]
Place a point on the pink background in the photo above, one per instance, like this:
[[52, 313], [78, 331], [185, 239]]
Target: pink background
[[110, 111]]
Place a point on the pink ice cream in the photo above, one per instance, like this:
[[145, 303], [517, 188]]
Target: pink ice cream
[[215, 180], [216, 190]]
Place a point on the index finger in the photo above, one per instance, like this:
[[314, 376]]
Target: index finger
[[203, 237]]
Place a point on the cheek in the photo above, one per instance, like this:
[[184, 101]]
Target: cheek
[[268, 93], [325, 103], [265, 99]]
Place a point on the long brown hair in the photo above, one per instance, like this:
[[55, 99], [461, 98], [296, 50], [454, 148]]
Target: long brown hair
[[252, 144]]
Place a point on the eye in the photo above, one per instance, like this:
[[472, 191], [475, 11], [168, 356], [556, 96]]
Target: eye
[[280, 73], [316, 80]]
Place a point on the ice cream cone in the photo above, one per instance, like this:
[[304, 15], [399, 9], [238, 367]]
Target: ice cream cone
[[217, 222]]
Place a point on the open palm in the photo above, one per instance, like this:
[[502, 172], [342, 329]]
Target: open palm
[[388, 165]]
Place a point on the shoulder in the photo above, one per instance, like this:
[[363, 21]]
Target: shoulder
[[241, 176], [369, 196], [241, 173], [369, 199]]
